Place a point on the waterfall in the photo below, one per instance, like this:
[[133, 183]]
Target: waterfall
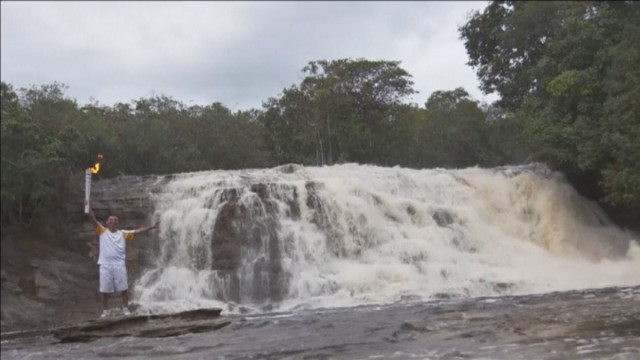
[[295, 237]]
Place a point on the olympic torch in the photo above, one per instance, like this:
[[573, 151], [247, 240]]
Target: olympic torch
[[87, 182]]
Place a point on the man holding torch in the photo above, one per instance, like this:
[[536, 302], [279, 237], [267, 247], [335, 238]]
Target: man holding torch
[[111, 253], [111, 258]]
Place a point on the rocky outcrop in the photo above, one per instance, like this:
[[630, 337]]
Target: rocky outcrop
[[48, 274], [160, 325], [246, 244], [49, 271]]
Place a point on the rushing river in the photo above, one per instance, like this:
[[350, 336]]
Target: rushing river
[[350, 235], [356, 261]]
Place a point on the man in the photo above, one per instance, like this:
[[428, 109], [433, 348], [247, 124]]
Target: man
[[111, 259]]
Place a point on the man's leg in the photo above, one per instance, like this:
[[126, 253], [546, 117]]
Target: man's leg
[[125, 298], [104, 301], [123, 286], [106, 285]]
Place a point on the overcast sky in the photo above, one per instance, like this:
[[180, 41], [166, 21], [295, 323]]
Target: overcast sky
[[236, 53]]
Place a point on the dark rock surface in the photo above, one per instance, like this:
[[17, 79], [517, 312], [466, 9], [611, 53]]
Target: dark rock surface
[[585, 324], [49, 271], [160, 325], [48, 274], [246, 235]]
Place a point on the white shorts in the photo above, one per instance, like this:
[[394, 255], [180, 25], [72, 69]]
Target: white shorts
[[113, 278]]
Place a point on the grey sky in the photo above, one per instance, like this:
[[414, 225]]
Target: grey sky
[[236, 53]]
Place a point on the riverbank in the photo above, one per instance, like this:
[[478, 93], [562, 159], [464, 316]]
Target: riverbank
[[587, 324]]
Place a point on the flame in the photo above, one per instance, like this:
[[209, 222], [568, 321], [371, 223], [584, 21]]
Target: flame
[[96, 167]]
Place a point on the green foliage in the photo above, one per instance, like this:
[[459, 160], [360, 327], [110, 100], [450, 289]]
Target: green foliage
[[340, 112], [37, 134], [46, 138], [352, 111], [507, 40], [343, 111], [621, 109], [454, 127], [569, 72], [456, 132]]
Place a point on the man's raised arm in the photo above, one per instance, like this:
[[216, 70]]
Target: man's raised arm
[[92, 216], [145, 229]]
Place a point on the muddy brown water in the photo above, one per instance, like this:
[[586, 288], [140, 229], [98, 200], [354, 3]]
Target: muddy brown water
[[585, 324]]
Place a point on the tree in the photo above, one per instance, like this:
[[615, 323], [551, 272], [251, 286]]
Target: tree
[[342, 111], [37, 133], [455, 133], [371, 90], [290, 130], [506, 42], [568, 71]]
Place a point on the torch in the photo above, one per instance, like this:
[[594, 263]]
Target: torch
[[87, 182]]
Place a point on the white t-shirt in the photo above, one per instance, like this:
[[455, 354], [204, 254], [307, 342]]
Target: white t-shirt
[[112, 245]]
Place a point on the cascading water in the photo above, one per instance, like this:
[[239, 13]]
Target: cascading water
[[345, 235]]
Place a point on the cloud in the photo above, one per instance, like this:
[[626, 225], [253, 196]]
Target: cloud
[[237, 53]]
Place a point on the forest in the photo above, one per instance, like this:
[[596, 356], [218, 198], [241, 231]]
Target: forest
[[567, 75]]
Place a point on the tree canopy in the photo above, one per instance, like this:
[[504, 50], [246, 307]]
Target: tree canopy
[[338, 111], [47, 137], [569, 72]]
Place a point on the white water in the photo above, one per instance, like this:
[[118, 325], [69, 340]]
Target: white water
[[512, 230]]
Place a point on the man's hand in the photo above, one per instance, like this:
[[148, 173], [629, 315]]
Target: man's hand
[[90, 214], [93, 251], [143, 230]]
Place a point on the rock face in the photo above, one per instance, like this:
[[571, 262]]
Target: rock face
[[246, 245], [49, 271], [48, 274]]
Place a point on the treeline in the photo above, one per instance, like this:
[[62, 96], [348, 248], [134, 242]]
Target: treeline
[[47, 137], [566, 72], [355, 111]]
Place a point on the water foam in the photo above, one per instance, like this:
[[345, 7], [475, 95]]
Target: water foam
[[348, 235]]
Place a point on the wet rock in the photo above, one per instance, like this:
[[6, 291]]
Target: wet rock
[[411, 210], [595, 324], [503, 287], [47, 286], [289, 168], [19, 309], [419, 326], [227, 241], [442, 218], [162, 325], [246, 245], [444, 296], [324, 218], [50, 265]]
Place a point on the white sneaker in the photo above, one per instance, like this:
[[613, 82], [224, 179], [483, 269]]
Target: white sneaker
[[125, 311], [104, 314]]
